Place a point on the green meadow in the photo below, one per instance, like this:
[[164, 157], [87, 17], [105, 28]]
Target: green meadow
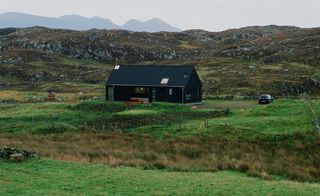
[[228, 147], [60, 178]]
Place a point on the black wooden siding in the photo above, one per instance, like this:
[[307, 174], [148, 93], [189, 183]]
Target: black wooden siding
[[194, 89], [188, 91]]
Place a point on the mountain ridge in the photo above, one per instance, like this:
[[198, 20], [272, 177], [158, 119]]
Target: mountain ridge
[[77, 22]]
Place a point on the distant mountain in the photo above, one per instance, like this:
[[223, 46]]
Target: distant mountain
[[76, 22], [20, 20], [153, 25]]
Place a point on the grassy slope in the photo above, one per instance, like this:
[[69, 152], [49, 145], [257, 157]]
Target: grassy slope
[[276, 139], [246, 119], [35, 117], [61, 178], [220, 77]]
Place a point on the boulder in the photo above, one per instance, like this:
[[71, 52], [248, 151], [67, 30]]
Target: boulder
[[17, 157]]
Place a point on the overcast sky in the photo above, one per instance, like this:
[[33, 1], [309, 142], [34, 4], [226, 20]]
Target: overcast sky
[[213, 15]]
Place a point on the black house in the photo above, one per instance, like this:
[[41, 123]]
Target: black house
[[157, 83]]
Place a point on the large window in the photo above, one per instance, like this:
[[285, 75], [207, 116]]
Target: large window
[[140, 90]]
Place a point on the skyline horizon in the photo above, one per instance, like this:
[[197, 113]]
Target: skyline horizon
[[150, 19], [210, 15]]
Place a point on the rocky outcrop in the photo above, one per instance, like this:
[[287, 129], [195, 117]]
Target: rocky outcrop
[[15, 155], [270, 44], [295, 46], [98, 45], [233, 61]]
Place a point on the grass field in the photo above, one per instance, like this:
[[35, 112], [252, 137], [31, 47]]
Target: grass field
[[234, 118], [215, 145], [60, 178], [10, 96], [226, 146], [99, 115]]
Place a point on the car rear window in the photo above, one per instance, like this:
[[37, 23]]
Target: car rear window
[[265, 96]]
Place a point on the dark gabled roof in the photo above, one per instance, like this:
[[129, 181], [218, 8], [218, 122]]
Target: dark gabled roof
[[150, 75]]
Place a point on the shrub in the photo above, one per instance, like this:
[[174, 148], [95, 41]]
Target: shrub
[[100, 105]]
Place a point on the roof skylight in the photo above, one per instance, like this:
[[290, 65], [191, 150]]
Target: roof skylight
[[164, 81]]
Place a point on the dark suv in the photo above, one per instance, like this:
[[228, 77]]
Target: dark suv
[[265, 99]]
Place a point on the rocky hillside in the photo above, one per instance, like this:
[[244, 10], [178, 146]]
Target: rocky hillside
[[277, 59]]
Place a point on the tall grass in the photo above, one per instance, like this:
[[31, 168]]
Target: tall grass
[[298, 161]]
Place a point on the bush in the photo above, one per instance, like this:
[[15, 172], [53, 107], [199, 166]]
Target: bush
[[100, 105]]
